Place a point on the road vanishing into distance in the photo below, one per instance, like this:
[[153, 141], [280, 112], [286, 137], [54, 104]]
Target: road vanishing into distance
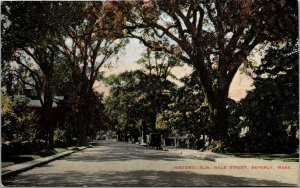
[[112, 163]]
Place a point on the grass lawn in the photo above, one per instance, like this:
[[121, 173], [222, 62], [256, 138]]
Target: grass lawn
[[33, 157], [73, 148], [25, 158], [6, 164], [19, 159], [60, 150], [281, 157]]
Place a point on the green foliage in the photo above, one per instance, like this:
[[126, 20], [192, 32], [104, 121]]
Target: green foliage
[[138, 97], [59, 135], [35, 23], [46, 153], [16, 125], [187, 111], [160, 123], [71, 41], [215, 37], [216, 146], [270, 111], [127, 101], [6, 164], [99, 120], [60, 150], [62, 77]]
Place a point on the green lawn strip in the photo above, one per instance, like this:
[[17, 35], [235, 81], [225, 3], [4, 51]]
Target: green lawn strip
[[19, 159], [33, 157], [281, 157], [73, 148], [26, 157], [6, 164], [60, 150]]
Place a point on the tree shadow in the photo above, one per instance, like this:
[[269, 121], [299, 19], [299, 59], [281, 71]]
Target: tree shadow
[[119, 151], [122, 152], [144, 178], [269, 156]]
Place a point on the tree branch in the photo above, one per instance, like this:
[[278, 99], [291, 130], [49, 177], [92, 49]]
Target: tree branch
[[157, 48], [27, 51], [34, 74]]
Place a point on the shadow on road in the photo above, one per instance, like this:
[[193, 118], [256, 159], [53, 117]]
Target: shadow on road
[[119, 151], [137, 178], [123, 164]]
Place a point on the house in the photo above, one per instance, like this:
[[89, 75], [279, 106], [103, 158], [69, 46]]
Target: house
[[35, 106], [58, 111]]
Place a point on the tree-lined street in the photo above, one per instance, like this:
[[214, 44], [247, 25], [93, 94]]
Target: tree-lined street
[[59, 92], [111, 163]]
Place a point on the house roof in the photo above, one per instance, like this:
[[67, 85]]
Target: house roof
[[58, 98], [37, 103]]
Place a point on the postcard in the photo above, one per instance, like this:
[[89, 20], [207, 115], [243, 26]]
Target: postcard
[[149, 93]]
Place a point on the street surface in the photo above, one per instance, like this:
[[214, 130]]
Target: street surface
[[112, 163]]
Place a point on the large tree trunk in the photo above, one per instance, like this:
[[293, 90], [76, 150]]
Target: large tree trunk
[[82, 136], [83, 125], [153, 121], [219, 119], [216, 96], [48, 115], [144, 125], [9, 85], [84, 120]]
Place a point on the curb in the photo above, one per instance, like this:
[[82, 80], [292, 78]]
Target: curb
[[206, 158], [22, 167]]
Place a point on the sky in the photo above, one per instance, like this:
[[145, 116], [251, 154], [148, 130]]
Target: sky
[[240, 83]]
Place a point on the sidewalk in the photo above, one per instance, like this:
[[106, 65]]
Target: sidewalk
[[205, 155], [18, 168], [218, 157]]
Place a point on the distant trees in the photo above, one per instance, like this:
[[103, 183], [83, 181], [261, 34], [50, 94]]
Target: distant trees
[[158, 69], [140, 96], [126, 105]]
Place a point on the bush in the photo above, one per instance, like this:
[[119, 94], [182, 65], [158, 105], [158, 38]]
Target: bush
[[39, 144], [216, 146], [7, 150], [60, 138], [46, 153], [17, 123]]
